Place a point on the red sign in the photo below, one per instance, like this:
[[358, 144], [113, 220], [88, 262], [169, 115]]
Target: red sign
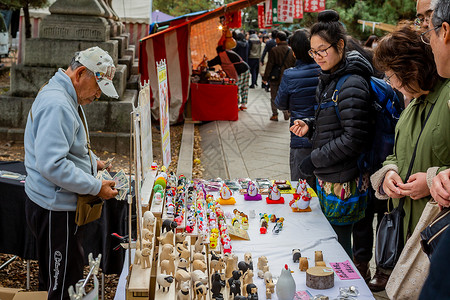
[[268, 14], [285, 11], [234, 19], [298, 9], [261, 24], [314, 5]]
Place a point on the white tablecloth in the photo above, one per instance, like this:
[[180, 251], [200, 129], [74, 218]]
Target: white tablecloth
[[306, 231]]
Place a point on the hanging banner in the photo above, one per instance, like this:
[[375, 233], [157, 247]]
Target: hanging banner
[[261, 24], [145, 129], [314, 5], [298, 9], [268, 22], [164, 111], [233, 19], [282, 11], [275, 12]]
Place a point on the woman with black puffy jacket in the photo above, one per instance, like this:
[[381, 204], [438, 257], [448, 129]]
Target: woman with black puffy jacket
[[339, 132]]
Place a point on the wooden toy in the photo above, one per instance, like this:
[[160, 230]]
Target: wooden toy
[[320, 264], [168, 265], [164, 281], [251, 291], [285, 286], [200, 290], [248, 259], [166, 238], [226, 196], [318, 256], [168, 225], [262, 266], [199, 265], [217, 284], [167, 250], [199, 256], [243, 266], [147, 234], [252, 192], [319, 278], [180, 237], [217, 265], [274, 196], [303, 265], [296, 254], [270, 286], [149, 220], [182, 275], [235, 283], [199, 244], [198, 275], [183, 293], [231, 265], [247, 279]]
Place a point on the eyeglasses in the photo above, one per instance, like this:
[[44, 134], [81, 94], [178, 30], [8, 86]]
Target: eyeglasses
[[425, 36], [419, 20], [388, 78], [321, 53]]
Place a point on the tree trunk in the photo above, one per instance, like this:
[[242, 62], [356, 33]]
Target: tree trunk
[[26, 14]]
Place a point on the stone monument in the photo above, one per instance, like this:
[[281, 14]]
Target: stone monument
[[75, 25]]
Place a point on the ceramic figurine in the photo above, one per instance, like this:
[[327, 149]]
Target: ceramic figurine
[[264, 226], [226, 196], [285, 285], [217, 283], [164, 281], [274, 196], [301, 188], [270, 286], [279, 226], [296, 255], [248, 259], [200, 290], [235, 283], [301, 202], [252, 192], [303, 265], [245, 223], [154, 166], [183, 293]]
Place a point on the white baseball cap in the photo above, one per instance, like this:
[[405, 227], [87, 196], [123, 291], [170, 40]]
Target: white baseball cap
[[101, 64]]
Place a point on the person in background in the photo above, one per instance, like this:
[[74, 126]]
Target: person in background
[[297, 95], [276, 57], [241, 48], [423, 13], [60, 165], [372, 42], [338, 138], [262, 67], [409, 66], [271, 43], [236, 68], [254, 55], [435, 286]]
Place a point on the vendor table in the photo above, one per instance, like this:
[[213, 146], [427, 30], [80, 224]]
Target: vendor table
[[17, 239], [307, 231], [214, 102]]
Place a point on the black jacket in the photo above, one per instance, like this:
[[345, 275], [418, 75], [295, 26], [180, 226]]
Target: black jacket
[[297, 94], [242, 50], [240, 65], [337, 144]]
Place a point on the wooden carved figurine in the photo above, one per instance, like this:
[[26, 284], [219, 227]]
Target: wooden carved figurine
[[166, 238], [164, 281], [270, 286], [200, 290], [168, 265], [217, 283], [246, 280], [198, 275], [262, 266], [251, 291], [217, 265], [234, 283], [166, 251], [183, 293], [248, 259], [231, 265]]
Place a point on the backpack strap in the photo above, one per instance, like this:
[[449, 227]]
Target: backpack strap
[[335, 96]]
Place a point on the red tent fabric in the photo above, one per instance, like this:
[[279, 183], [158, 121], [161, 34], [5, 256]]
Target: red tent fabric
[[173, 45]]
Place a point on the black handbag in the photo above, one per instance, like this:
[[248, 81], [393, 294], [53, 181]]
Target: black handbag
[[389, 243], [275, 73], [433, 233]]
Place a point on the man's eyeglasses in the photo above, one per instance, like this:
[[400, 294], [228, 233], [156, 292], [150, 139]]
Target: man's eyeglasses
[[321, 53], [388, 78], [420, 20], [425, 36]]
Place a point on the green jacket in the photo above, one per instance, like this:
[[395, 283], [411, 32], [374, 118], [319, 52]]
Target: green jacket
[[434, 145]]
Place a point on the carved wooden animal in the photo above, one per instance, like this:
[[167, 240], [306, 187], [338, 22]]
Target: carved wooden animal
[[137, 257], [149, 220], [180, 237], [168, 265], [147, 234], [246, 280], [181, 276], [234, 283], [199, 244], [183, 263], [270, 286], [217, 265], [217, 284], [199, 265], [252, 291], [168, 225], [183, 293], [231, 265], [166, 251], [164, 281], [166, 238], [198, 275], [248, 259], [199, 256], [262, 266], [145, 244], [184, 253], [200, 290], [145, 258]]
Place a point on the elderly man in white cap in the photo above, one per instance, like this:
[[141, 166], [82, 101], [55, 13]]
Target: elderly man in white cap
[[61, 166]]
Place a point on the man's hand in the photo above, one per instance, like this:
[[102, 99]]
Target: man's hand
[[440, 188], [102, 164], [108, 191], [416, 187], [390, 184], [299, 128], [264, 81]]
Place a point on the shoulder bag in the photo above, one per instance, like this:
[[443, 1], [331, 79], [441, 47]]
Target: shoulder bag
[[89, 207], [389, 242], [275, 73], [431, 235]]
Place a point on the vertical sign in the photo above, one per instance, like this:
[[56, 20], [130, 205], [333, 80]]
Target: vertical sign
[[164, 111], [261, 24], [286, 11], [268, 14], [146, 129], [314, 5], [298, 9], [275, 12]]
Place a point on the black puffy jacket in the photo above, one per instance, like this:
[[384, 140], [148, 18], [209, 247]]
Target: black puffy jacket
[[337, 144]]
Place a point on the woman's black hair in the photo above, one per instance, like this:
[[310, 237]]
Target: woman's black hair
[[300, 44], [220, 49], [329, 28]]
